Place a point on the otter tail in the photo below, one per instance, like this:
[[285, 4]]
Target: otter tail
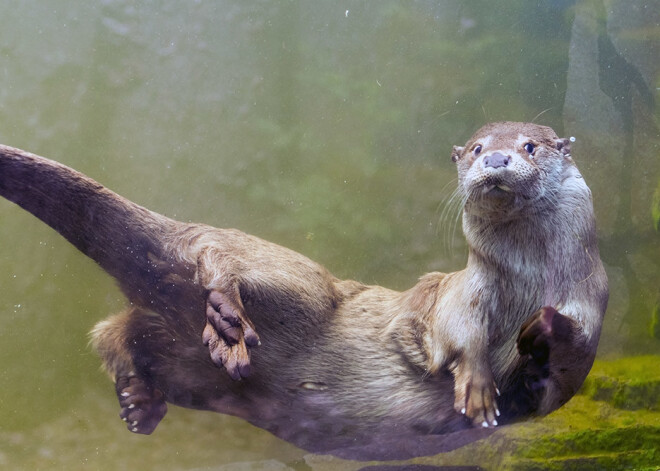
[[126, 240]]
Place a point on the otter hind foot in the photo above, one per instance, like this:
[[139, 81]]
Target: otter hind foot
[[539, 335], [142, 406], [539, 331], [229, 334], [475, 396]]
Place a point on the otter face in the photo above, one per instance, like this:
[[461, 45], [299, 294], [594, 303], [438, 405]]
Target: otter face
[[507, 167]]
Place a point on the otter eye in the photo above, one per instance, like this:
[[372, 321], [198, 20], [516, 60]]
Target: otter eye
[[477, 150], [529, 148]]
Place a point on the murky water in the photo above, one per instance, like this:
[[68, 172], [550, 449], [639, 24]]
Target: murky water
[[323, 126]]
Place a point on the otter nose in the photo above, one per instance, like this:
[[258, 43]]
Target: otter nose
[[497, 160]]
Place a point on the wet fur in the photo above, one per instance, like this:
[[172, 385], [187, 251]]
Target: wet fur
[[340, 362]]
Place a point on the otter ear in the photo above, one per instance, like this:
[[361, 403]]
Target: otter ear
[[564, 145], [456, 153]]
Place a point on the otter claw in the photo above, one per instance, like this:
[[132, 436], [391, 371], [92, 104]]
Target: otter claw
[[475, 395]]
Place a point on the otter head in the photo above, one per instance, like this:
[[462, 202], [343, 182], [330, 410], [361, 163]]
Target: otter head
[[506, 168]]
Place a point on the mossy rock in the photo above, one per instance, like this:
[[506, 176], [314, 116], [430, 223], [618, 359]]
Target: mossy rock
[[585, 442], [637, 460], [629, 447], [627, 383]]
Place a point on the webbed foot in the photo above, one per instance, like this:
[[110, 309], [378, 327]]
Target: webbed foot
[[142, 406], [538, 334], [229, 334]]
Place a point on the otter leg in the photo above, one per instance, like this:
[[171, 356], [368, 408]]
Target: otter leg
[[142, 405]]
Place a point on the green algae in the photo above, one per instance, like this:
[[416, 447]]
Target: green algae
[[627, 383], [584, 442], [654, 325]]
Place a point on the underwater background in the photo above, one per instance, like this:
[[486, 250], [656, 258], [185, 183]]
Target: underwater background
[[324, 126]]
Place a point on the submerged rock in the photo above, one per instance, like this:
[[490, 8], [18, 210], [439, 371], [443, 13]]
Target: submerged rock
[[628, 383]]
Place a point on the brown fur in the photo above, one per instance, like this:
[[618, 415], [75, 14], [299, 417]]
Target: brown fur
[[325, 362]]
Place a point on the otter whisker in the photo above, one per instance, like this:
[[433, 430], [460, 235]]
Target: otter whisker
[[448, 191], [458, 218], [453, 204], [540, 114]]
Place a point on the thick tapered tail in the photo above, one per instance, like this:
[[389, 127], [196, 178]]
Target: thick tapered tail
[[127, 240]]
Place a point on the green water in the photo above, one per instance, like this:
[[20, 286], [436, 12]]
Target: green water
[[324, 126]]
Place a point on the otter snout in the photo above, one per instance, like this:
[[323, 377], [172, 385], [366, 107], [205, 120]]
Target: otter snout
[[497, 160]]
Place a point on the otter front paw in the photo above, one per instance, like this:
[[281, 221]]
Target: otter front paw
[[475, 395], [142, 406], [229, 334]]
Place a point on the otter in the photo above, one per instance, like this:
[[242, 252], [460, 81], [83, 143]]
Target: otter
[[224, 321]]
